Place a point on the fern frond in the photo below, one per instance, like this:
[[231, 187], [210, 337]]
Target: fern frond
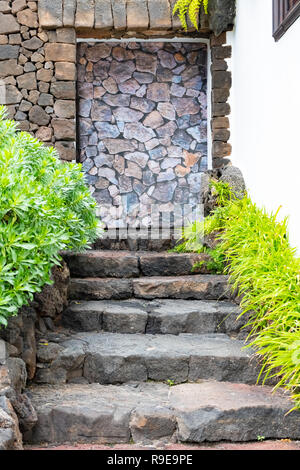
[[205, 5], [190, 7], [181, 8], [194, 12]]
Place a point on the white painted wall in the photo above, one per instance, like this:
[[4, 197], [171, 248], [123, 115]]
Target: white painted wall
[[265, 102]]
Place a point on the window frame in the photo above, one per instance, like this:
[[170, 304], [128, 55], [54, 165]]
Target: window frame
[[289, 17]]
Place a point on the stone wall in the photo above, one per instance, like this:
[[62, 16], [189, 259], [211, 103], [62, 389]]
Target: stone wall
[[38, 59], [39, 72], [142, 125], [21, 348]]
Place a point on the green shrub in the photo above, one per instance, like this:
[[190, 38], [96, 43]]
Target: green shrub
[[45, 207], [265, 270]]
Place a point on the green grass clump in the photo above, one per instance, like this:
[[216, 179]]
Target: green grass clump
[[265, 271], [45, 207]]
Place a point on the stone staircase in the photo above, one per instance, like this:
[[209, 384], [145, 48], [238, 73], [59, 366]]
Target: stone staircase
[[149, 352]]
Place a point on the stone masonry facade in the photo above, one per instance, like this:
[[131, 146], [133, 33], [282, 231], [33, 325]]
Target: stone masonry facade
[[38, 68], [38, 64]]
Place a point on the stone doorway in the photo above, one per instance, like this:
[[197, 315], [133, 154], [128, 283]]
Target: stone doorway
[[142, 116]]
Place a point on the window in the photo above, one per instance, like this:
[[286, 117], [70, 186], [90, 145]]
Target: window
[[285, 13]]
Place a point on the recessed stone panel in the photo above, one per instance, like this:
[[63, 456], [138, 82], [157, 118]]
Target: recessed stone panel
[[142, 122]]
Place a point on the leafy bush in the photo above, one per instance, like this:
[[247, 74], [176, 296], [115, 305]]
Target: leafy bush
[[190, 7], [265, 270], [45, 207]]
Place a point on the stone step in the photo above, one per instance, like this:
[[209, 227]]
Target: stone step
[[162, 316], [127, 264], [198, 287], [145, 242], [149, 413], [113, 358]]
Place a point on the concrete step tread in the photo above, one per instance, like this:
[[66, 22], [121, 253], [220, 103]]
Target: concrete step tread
[[146, 413], [161, 316], [112, 358], [130, 264], [199, 287]]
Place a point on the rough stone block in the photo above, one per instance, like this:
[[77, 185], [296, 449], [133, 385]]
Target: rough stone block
[[8, 24], [211, 410], [66, 35], [44, 134], [185, 287], [45, 99], [9, 52], [220, 109], [69, 9], [220, 95], [159, 14], [100, 289], [10, 436], [221, 149], [58, 52], [221, 15], [4, 6], [18, 5], [113, 316], [167, 316], [27, 81], [63, 90], [221, 79], [103, 264], [17, 373], [222, 135], [169, 264], [28, 18], [106, 416], [176, 23], [64, 129], [10, 67], [65, 71], [84, 316], [85, 14], [50, 13], [119, 14], [66, 150], [103, 15], [3, 39], [218, 40], [219, 65], [208, 411], [220, 52], [65, 109], [37, 115], [149, 423], [44, 75], [220, 123], [118, 358], [234, 177]]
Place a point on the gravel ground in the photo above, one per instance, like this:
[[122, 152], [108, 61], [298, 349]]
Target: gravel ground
[[284, 444]]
